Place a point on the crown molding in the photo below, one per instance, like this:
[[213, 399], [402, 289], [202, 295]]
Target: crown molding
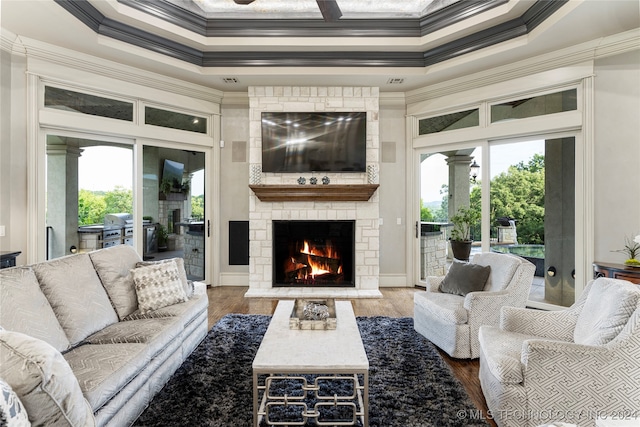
[[402, 27], [588, 51], [9, 42], [75, 60], [84, 11]]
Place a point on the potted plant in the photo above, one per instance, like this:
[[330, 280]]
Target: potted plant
[[163, 236], [461, 241]]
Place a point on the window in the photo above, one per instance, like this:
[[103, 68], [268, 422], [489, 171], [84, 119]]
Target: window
[[535, 106], [459, 120], [68, 100], [173, 120]]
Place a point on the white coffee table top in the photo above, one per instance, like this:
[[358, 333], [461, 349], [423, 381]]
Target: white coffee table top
[[311, 351]]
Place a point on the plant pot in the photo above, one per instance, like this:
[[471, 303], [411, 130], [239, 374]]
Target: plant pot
[[461, 249]]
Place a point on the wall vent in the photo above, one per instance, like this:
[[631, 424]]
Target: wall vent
[[230, 80], [395, 81]]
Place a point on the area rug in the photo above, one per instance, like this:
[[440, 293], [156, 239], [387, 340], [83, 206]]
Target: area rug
[[409, 383]]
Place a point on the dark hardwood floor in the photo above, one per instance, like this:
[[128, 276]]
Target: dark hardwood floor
[[396, 302]]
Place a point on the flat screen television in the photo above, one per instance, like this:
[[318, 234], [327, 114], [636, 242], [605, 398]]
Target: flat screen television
[[314, 142], [173, 171]]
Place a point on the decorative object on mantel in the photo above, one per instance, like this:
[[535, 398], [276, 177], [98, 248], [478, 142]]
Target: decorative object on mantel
[[311, 193], [313, 314], [372, 174], [313, 180], [255, 177], [631, 250], [325, 180], [302, 180]]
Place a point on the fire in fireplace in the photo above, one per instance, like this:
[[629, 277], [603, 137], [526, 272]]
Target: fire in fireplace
[[313, 253]]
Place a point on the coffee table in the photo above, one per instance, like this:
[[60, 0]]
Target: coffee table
[[307, 360]]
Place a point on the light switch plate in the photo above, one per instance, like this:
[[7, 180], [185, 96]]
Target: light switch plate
[[2, 231]]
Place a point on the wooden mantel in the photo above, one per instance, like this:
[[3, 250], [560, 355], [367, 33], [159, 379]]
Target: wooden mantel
[[315, 193]]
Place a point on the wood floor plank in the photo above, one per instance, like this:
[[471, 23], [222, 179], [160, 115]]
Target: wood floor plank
[[395, 302]]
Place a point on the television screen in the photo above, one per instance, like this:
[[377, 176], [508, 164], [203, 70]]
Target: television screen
[[314, 142], [173, 171]]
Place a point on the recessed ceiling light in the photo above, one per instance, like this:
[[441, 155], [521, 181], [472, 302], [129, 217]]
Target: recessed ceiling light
[[395, 81], [230, 80]]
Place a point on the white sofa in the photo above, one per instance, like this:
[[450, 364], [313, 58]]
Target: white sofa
[[570, 365], [451, 321], [89, 339]]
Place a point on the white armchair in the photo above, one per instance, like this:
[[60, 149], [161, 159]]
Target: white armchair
[[570, 365], [452, 321]]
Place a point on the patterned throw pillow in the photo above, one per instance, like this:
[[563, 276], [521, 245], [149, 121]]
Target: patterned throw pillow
[[157, 286], [12, 413], [186, 283]]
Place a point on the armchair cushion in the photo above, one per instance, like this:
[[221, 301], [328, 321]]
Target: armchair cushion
[[503, 267], [447, 307], [605, 312], [502, 352], [463, 278]]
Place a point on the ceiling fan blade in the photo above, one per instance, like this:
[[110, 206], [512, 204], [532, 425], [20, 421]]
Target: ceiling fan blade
[[243, 1], [329, 9]]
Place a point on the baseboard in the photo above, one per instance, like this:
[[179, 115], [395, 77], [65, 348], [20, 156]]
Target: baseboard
[[394, 281], [233, 279]]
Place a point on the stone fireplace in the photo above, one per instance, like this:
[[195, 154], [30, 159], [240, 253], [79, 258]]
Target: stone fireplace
[[362, 271], [313, 253]]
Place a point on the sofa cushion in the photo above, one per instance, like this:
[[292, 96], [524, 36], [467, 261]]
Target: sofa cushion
[[463, 278], [113, 266], [24, 308], [76, 295], [609, 305], [12, 412], [503, 267], [40, 376], [103, 370], [158, 285], [185, 311], [186, 283], [156, 333]]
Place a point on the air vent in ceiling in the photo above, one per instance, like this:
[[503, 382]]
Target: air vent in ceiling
[[395, 81], [230, 80]]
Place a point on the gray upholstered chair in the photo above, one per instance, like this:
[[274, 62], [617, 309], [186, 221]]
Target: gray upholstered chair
[[570, 365], [452, 321]]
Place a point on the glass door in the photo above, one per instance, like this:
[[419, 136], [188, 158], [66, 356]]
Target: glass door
[[89, 196], [174, 220], [532, 199], [448, 181]]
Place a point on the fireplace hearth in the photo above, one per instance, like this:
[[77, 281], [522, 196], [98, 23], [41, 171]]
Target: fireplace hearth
[[313, 253]]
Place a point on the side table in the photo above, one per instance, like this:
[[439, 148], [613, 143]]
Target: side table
[[616, 271], [8, 258]]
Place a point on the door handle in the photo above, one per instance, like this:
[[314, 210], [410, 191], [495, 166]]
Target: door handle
[[417, 228], [208, 228]]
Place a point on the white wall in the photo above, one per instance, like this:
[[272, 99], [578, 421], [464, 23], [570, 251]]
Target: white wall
[[13, 154], [234, 186], [617, 153]]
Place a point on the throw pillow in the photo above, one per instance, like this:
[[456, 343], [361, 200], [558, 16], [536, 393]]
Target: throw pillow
[[463, 278], [11, 409], [609, 305], [158, 285], [43, 380], [186, 283]]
